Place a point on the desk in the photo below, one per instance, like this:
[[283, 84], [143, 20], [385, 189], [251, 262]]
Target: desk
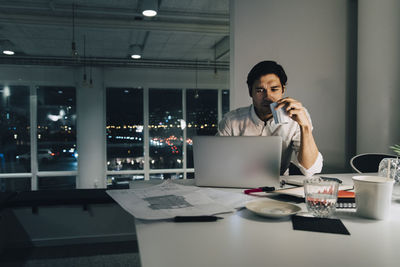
[[244, 239]]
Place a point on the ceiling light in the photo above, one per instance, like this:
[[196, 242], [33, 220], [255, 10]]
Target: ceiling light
[[8, 52], [149, 8], [135, 51], [7, 47]]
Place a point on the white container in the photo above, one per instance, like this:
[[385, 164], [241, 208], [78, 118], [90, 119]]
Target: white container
[[373, 196]]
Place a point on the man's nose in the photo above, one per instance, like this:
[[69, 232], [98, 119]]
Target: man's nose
[[267, 94]]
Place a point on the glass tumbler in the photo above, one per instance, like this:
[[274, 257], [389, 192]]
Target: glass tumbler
[[320, 196]]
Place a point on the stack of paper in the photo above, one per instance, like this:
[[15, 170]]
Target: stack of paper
[[167, 200]]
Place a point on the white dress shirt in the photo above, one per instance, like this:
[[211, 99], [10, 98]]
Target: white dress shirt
[[245, 122]]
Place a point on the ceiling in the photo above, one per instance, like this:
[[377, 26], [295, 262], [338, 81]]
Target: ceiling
[[185, 33]]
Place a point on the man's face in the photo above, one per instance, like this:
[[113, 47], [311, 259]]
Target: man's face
[[266, 90]]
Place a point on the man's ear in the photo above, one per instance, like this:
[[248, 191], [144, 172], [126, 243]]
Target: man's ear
[[283, 89]]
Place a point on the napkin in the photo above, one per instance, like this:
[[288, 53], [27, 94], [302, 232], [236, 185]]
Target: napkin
[[324, 225]]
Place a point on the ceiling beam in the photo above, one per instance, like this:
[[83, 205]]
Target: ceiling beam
[[102, 23], [222, 47], [24, 7], [113, 62]]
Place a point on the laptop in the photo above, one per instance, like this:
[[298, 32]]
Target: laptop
[[237, 161]]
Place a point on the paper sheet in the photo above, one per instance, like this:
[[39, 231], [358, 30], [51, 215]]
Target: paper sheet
[[167, 200]]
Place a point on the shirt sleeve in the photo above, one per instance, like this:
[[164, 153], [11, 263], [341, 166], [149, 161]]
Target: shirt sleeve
[[315, 168]]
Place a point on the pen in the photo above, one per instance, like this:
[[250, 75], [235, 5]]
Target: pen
[[205, 218], [260, 189]]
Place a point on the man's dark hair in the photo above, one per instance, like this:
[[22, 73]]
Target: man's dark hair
[[264, 68]]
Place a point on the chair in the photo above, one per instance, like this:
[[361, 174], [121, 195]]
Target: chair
[[368, 162]]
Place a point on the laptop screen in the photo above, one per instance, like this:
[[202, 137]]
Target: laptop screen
[[237, 161]]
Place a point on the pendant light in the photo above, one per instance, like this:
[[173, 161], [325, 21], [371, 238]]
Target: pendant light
[[84, 62], [196, 91], [135, 51], [149, 8], [74, 52], [7, 47]]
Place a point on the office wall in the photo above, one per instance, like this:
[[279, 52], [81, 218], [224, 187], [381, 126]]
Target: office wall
[[309, 38], [378, 115]]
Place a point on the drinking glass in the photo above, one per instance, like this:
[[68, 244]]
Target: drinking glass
[[320, 196]]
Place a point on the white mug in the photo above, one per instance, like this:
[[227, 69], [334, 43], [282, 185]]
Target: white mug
[[373, 196]]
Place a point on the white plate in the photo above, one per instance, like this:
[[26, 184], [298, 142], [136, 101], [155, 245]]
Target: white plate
[[272, 209]]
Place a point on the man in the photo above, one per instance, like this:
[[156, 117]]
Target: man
[[267, 84]]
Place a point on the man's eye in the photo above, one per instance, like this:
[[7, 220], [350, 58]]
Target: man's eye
[[260, 90]]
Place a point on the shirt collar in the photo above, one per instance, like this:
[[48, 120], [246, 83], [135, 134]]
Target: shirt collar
[[257, 120]]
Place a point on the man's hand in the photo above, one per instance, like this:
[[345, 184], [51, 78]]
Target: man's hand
[[295, 110]]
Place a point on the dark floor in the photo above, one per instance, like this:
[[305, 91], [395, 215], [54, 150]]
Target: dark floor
[[96, 255]]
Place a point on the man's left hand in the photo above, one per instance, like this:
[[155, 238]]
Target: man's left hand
[[295, 110]]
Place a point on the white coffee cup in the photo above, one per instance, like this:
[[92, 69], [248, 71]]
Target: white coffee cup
[[373, 196]]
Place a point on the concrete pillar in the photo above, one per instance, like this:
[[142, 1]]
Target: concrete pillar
[[91, 134], [378, 92]]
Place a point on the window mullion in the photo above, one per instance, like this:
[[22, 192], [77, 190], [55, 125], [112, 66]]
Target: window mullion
[[33, 136], [146, 141], [184, 117], [219, 105]]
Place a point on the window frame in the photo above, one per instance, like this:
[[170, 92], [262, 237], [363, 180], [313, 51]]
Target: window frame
[[33, 105], [35, 174], [146, 169]]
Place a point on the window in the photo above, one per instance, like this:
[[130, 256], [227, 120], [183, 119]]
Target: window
[[56, 134], [15, 184], [225, 101], [45, 157], [149, 134], [125, 129], [166, 117], [15, 152], [165, 128], [57, 182], [202, 117]]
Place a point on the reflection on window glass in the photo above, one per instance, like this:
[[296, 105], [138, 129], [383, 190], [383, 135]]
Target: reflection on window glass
[[14, 130], [56, 129], [190, 175], [122, 180], [125, 129], [202, 117], [165, 128], [225, 101], [15, 184], [162, 176], [57, 183]]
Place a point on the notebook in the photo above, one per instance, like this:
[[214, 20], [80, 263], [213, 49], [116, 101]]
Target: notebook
[[346, 199], [237, 161]]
